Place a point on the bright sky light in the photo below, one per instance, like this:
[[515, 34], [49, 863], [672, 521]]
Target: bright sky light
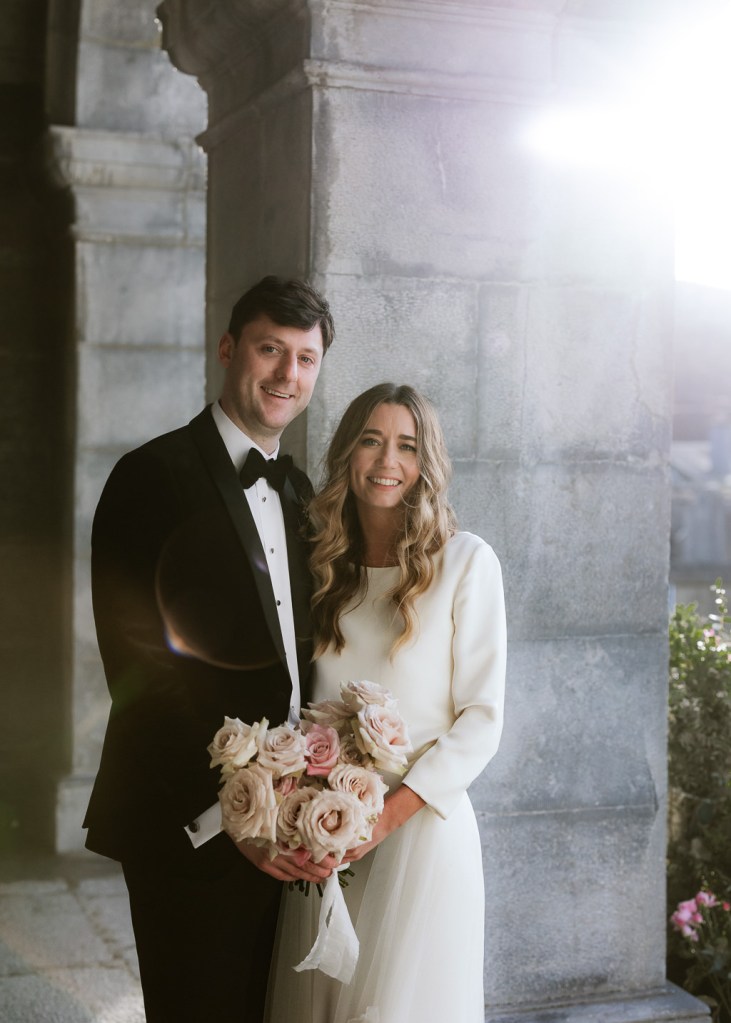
[[673, 127]]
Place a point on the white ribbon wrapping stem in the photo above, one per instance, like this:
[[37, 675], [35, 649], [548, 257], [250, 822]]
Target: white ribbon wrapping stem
[[335, 951]]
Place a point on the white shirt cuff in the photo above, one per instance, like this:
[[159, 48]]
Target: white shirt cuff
[[205, 827]]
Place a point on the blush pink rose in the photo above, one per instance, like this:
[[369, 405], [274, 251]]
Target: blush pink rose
[[235, 744], [322, 750], [381, 733], [367, 786], [282, 751], [288, 817], [332, 823], [284, 785], [358, 694], [248, 805], [351, 754], [327, 712]]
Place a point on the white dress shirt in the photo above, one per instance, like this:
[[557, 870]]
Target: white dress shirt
[[266, 509]]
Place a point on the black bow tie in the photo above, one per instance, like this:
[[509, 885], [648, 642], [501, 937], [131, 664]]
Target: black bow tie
[[272, 469]]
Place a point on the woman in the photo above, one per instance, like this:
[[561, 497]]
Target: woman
[[404, 600]]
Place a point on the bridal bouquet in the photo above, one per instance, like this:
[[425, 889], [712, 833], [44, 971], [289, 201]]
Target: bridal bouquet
[[315, 788]]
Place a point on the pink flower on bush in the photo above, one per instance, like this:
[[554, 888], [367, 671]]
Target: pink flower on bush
[[706, 899], [689, 916], [684, 918], [705, 924], [322, 750]]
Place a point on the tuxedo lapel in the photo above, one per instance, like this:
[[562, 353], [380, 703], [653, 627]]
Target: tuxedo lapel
[[299, 576], [222, 471]]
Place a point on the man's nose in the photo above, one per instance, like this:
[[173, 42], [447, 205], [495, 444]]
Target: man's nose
[[287, 367]]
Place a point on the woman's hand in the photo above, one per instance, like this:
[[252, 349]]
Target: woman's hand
[[288, 867], [397, 809]]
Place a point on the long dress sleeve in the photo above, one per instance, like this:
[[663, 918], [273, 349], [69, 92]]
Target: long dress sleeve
[[442, 773]]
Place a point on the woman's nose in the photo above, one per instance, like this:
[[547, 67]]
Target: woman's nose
[[387, 454]]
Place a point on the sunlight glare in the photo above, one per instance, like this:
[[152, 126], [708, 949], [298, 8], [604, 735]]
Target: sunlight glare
[[669, 131]]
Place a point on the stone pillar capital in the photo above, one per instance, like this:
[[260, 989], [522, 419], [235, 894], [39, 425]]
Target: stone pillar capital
[[128, 184], [201, 37], [112, 159]]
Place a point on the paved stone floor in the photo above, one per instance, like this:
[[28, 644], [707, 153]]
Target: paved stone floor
[[67, 952]]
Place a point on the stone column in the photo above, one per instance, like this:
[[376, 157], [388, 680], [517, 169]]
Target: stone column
[[379, 149], [136, 188]]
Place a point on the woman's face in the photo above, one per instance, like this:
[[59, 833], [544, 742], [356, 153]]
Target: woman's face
[[384, 465]]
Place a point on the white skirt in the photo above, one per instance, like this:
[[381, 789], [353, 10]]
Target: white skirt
[[417, 905]]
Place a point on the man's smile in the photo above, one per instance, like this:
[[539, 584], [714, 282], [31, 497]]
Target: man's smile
[[275, 394]]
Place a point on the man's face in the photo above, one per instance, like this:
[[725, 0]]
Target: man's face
[[270, 375]]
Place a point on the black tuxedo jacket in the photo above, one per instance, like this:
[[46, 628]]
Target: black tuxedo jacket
[[188, 632]]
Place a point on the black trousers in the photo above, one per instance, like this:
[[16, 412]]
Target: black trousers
[[204, 931]]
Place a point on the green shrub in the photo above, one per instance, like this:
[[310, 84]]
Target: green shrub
[[699, 766]]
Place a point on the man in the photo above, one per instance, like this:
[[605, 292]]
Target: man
[[201, 600]]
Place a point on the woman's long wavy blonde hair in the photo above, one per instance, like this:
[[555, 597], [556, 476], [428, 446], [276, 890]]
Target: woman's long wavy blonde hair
[[337, 541]]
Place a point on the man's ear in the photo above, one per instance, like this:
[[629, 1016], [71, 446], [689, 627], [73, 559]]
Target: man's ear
[[226, 349]]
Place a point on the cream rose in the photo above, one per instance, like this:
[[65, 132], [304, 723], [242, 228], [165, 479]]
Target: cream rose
[[323, 749], [288, 817], [351, 754], [235, 743], [381, 732], [332, 713], [332, 823], [359, 694], [367, 787], [248, 805], [282, 751]]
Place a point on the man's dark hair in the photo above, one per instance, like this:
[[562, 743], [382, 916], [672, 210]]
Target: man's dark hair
[[288, 303]]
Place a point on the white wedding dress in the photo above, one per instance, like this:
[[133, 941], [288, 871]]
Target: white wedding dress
[[417, 900]]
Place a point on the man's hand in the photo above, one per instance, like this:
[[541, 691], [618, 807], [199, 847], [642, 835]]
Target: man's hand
[[288, 867]]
